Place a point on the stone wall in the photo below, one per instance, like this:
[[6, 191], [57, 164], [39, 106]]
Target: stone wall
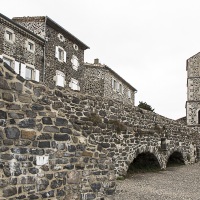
[[64, 145]]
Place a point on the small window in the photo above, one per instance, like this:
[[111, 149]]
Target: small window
[[9, 35], [9, 61], [60, 78], [75, 63], [30, 45], [29, 72], [74, 84], [61, 37], [75, 47], [129, 94], [115, 85], [61, 54], [120, 88]]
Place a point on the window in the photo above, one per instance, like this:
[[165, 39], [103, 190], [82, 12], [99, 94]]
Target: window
[[60, 78], [61, 37], [129, 94], [9, 60], [61, 54], [120, 88], [75, 63], [9, 35], [74, 84], [75, 47], [29, 72], [116, 86], [30, 45]]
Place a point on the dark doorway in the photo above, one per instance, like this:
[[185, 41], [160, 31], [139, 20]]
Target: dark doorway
[[175, 159], [144, 162]]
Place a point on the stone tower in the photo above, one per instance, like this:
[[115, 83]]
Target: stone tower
[[193, 91]]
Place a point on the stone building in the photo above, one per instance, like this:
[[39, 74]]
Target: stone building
[[39, 49], [193, 91], [63, 52], [21, 49], [103, 81]]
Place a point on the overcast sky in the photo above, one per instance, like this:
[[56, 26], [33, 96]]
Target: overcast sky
[[147, 42]]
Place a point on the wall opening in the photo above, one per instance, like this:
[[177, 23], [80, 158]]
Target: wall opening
[[144, 162], [175, 159], [199, 117]]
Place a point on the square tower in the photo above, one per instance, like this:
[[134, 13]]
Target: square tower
[[193, 91]]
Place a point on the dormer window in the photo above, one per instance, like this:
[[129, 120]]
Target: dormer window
[[61, 54], [9, 35], [75, 63], [30, 45]]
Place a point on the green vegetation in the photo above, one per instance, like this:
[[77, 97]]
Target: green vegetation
[[145, 106]]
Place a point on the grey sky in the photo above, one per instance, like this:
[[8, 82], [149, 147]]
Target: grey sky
[[147, 42]]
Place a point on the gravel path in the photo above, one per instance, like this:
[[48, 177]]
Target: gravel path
[[177, 183]]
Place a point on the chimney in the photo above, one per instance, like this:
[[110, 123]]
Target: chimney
[[96, 61]]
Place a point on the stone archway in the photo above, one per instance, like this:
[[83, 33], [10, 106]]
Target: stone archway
[[122, 166], [145, 161], [175, 158]]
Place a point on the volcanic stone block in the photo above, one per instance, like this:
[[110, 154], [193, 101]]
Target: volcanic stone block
[[3, 84], [56, 184], [51, 129], [3, 114], [12, 133], [46, 120], [44, 144], [9, 191], [61, 137], [30, 135], [7, 96], [61, 122]]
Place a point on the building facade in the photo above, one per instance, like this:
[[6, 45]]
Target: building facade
[[63, 52], [193, 91], [103, 81], [21, 49], [39, 49]]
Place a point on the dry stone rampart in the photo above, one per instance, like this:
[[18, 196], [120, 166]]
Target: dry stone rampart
[[57, 144]]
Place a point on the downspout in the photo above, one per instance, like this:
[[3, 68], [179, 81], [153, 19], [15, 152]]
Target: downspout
[[44, 51]]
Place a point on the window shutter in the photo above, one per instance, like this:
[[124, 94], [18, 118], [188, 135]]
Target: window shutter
[[65, 56], [16, 67], [23, 70], [60, 81], [112, 82], [117, 86], [37, 75], [56, 53]]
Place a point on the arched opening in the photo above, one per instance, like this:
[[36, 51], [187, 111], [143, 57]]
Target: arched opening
[[175, 159], [144, 162], [199, 117]]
